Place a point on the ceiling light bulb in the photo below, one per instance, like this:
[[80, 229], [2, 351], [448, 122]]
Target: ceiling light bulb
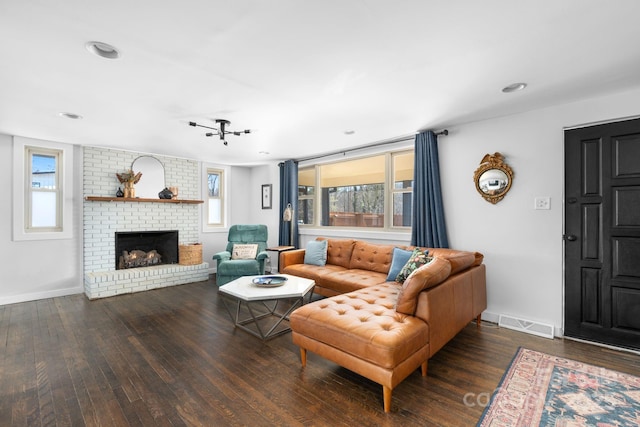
[[103, 50], [515, 87]]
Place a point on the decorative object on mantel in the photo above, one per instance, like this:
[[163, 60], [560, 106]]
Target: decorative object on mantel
[[129, 178], [493, 178], [165, 194], [154, 176], [190, 254], [119, 193], [174, 191]]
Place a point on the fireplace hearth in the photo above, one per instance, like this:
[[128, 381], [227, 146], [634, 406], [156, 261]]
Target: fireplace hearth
[[145, 248]]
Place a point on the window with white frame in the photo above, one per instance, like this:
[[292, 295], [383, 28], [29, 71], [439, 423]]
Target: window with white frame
[[43, 201], [43, 189], [373, 192], [215, 197]]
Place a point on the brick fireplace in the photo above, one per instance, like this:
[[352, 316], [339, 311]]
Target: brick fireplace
[[103, 219]]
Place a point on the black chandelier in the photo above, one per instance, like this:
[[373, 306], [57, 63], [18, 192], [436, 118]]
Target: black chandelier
[[221, 131]]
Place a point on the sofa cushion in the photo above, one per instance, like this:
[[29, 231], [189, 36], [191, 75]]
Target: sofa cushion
[[339, 251], [459, 260], [364, 324], [316, 252], [427, 276], [313, 272], [372, 257], [354, 279], [398, 260], [417, 259]]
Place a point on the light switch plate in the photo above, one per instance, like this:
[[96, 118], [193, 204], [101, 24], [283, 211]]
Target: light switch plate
[[542, 203]]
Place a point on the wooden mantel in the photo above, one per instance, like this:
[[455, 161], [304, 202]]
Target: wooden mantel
[[139, 200]]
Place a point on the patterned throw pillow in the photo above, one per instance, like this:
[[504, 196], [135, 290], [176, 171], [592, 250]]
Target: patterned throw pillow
[[247, 251], [417, 259], [398, 260]]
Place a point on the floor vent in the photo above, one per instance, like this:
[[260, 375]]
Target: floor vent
[[528, 326]]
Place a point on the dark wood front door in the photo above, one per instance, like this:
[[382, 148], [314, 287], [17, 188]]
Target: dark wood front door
[[602, 233]]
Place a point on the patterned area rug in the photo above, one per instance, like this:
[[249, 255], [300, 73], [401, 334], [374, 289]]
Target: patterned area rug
[[543, 390]]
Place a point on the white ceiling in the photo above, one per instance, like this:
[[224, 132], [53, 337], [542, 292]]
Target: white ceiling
[[299, 73]]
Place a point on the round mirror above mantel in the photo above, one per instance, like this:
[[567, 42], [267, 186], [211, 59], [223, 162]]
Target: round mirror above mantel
[[493, 178]]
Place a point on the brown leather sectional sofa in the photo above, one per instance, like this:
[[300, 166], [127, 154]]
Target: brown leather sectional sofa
[[380, 329]]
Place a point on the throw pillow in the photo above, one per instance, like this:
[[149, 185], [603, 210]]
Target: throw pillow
[[416, 260], [316, 253], [245, 251], [398, 260], [423, 278]]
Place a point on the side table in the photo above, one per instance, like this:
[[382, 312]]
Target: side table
[[278, 249]]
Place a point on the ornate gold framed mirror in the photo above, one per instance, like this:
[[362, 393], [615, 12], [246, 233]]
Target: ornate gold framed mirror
[[493, 178]]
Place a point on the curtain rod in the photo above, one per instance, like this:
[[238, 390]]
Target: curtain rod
[[443, 132]]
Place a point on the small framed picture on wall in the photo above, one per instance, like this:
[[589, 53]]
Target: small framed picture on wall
[[266, 196]]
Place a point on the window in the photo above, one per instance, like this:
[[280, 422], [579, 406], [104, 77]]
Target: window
[[306, 195], [373, 192], [43, 190], [43, 201], [402, 190], [215, 205]]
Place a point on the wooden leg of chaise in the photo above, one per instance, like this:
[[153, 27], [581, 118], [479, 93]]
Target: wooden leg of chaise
[[423, 368], [303, 356], [386, 396], [479, 320]]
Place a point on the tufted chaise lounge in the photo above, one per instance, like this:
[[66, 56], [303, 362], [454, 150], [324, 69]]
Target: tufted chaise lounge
[[386, 331], [363, 332]]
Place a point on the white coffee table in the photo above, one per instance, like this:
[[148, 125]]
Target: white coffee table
[[243, 292]]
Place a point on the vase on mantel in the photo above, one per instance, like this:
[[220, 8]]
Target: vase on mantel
[[129, 190]]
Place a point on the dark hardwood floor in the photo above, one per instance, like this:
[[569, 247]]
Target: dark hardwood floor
[[171, 357]]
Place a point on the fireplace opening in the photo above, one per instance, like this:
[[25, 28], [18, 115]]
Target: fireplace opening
[[146, 248]]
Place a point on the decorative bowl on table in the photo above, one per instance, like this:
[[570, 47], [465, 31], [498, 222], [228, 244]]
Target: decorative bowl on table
[[269, 281]]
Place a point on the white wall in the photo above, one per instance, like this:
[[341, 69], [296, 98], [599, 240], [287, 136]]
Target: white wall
[[242, 204], [267, 174], [523, 247], [38, 268]]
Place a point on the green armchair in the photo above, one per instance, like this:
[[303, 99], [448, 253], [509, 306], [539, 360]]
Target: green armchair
[[227, 268]]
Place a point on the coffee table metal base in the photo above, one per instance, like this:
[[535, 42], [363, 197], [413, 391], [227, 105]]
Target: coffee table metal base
[[256, 314]]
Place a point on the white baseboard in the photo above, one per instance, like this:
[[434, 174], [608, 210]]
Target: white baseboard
[[14, 299]]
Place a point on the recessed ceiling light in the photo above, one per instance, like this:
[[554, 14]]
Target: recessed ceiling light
[[103, 50], [349, 132], [70, 115], [264, 153], [515, 87]]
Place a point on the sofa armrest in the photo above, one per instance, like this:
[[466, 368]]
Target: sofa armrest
[[221, 256], [295, 256]]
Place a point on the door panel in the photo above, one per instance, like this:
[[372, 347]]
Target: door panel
[[602, 233]]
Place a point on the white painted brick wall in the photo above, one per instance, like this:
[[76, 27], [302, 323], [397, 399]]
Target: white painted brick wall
[[101, 220]]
